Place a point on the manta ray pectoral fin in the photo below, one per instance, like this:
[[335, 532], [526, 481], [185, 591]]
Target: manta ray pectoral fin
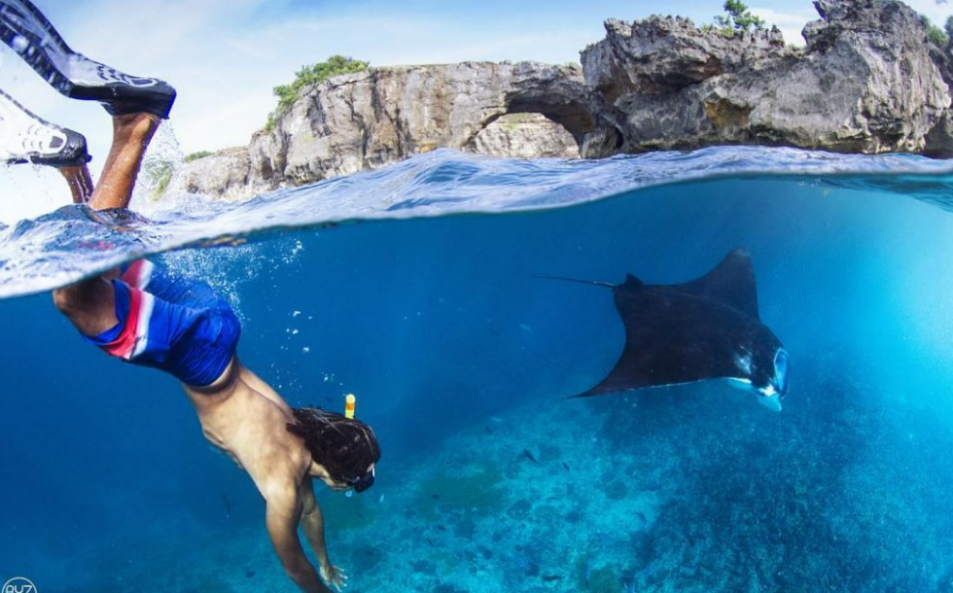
[[731, 282], [632, 282], [601, 389]]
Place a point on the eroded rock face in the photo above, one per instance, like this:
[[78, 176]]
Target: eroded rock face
[[524, 136], [867, 81], [224, 174], [365, 120]]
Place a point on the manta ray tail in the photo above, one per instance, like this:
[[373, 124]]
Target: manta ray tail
[[589, 282]]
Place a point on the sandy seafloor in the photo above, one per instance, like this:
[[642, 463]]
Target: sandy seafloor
[[694, 488]]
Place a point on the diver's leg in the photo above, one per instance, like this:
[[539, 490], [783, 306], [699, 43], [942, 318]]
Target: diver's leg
[[89, 305], [193, 343], [79, 181], [131, 136], [29, 33]]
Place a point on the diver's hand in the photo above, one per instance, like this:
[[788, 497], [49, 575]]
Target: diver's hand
[[333, 576]]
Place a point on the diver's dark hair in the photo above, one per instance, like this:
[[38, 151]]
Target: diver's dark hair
[[345, 447]]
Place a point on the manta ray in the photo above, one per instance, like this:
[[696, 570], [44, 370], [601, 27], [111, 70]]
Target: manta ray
[[701, 330]]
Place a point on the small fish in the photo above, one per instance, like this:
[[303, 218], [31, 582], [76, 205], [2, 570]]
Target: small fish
[[435, 496], [488, 429], [430, 541], [566, 466], [249, 573], [526, 328], [642, 518], [227, 504], [441, 528], [528, 455], [551, 577], [496, 419], [381, 499], [588, 571]]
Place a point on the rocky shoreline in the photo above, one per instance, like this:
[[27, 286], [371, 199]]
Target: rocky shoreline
[[867, 81]]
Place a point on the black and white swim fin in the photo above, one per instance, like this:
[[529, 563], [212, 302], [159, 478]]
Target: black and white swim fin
[[24, 28], [25, 138]]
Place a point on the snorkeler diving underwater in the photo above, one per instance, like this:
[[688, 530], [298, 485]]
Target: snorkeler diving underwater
[[390, 312]]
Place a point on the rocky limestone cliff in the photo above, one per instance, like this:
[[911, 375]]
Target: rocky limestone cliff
[[372, 118], [868, 81], [524, 136]]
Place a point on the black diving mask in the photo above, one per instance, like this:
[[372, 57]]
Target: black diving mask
[[362, 483]]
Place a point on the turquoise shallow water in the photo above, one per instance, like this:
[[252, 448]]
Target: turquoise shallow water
[[462, 360]]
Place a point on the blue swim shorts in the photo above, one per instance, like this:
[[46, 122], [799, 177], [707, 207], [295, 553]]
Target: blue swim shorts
[[174, 324]]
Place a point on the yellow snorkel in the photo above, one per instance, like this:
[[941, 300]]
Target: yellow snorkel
[[349, 404]]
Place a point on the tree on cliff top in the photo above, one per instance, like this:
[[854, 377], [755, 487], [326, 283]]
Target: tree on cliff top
[[935, 35], [308, 75], [739, 18]]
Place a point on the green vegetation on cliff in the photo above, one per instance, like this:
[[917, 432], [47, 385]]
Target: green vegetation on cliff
[[309, 75], [738, 18], [936, 35], [199, 154]]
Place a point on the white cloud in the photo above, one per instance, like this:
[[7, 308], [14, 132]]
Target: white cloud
[[937, 13]]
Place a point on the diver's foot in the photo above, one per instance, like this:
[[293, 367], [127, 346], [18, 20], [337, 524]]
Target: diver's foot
[[29, 33], [25, 138]]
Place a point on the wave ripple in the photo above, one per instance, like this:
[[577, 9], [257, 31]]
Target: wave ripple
[[75, 242]]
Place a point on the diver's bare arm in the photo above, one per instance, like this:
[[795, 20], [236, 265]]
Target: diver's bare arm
[[282, 515], [312, 522]]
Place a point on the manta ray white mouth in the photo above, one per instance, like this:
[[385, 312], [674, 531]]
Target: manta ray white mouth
[[772, 402], [767, 396]]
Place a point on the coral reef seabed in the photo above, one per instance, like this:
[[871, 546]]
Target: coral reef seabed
[[694, 488]]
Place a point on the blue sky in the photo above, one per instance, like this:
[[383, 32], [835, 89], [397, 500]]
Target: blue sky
[[224, 56]]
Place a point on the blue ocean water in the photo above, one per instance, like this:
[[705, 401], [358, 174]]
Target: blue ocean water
[[413, 287]]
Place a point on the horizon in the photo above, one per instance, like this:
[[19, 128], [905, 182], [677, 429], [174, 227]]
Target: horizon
[[225, 56]]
